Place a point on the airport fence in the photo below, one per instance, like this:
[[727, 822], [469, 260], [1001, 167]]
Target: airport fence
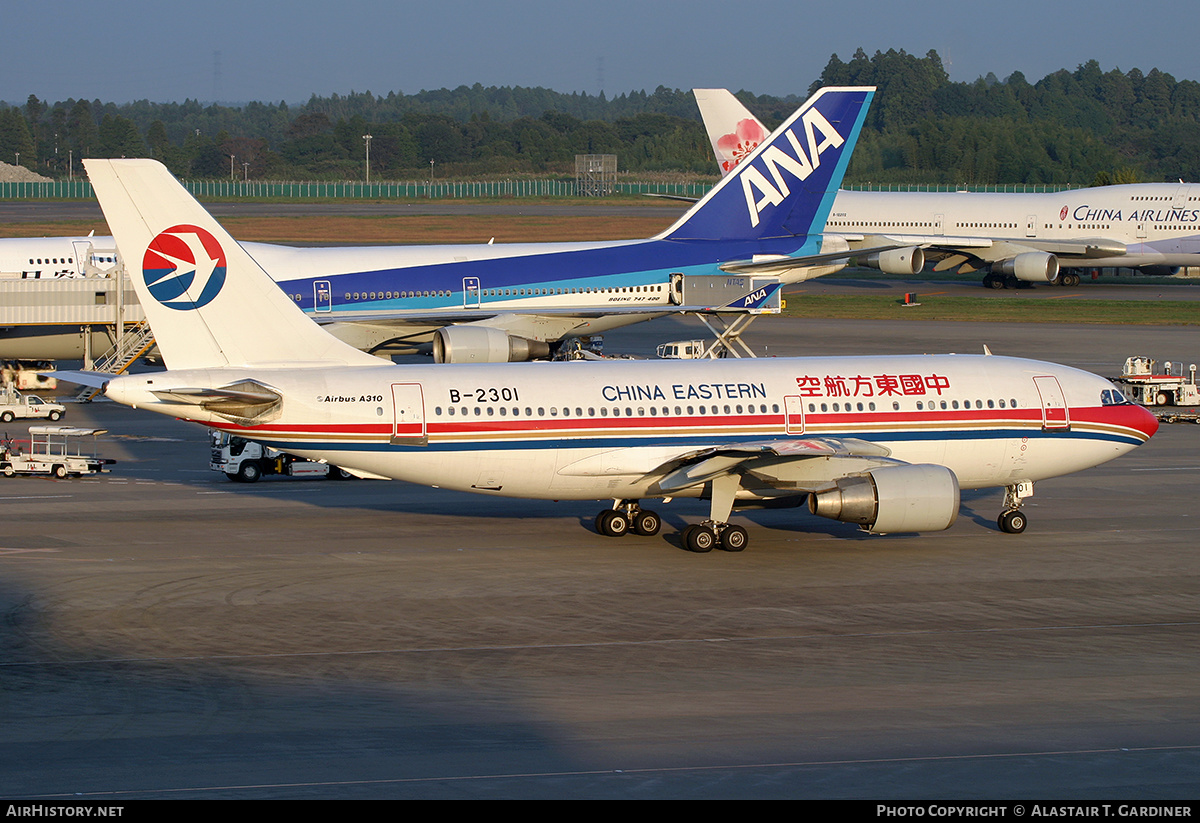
[[352, 190], [1010, 188], [442, 190]]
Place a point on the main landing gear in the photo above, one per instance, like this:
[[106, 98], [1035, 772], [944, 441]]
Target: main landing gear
[[714, 533], [1012, 520], [702, 537], [627, 516]]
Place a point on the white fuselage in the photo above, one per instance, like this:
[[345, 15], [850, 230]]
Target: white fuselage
[[1159, 223], [36, 258], [603, 430]]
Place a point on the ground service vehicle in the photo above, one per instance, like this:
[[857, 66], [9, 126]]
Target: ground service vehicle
[[13, 404], [53, 450], [1142, 384], [246, 461]]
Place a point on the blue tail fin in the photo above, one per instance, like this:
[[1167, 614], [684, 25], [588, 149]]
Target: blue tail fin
[[786, 186]]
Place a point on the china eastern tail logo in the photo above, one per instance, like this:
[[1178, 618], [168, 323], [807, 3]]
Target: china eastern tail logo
[[184, 267]]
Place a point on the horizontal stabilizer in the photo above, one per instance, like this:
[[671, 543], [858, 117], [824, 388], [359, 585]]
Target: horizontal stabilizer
[[93, 379]]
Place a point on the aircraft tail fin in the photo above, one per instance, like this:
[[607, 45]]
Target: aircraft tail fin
[[208, 302], [786, 185], [733, 131]]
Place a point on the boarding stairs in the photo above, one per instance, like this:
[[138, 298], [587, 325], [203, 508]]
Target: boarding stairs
[[136, 341]]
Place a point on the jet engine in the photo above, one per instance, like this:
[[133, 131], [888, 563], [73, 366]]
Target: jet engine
[[909, 498], [1032, 267], [909, 260], [483, 344]]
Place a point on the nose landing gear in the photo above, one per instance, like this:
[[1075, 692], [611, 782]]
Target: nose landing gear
[[1012, 520]]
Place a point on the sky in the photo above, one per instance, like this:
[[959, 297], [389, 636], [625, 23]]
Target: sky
[[232, 52]]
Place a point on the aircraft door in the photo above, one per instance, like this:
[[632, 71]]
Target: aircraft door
[[322, 295], [83, 254], [471, 293], [1031, 225], [408, 421], [677, 288], [1055, 415], [939, 221], [793, 413]]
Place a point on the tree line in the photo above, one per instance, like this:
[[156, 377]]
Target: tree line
[[1080, 128]]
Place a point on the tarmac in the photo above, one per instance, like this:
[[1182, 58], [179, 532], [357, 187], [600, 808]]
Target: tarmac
[[170, 634]]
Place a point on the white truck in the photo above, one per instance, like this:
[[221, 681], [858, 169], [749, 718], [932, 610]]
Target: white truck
[[53, 450], [13, 404], [246, 461], [1142, 382]]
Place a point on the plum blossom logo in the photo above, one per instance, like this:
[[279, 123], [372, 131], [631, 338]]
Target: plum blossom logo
[[733, 148], [184, 267]]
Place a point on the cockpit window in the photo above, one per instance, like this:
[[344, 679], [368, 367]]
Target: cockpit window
[[1113, 397]]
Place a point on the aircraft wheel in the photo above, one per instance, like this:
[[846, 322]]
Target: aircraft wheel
[[249, 472], [734, 539], [699, 539], [993, 282], [611, 523], [1012, 522], [646, 523]]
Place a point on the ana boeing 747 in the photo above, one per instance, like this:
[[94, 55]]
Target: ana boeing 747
[[1012, 238], [520, 301]]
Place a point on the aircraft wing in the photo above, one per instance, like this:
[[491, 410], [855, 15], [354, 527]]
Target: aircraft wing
[[982, 247], [786, 465], [784, 263], [843, 478]]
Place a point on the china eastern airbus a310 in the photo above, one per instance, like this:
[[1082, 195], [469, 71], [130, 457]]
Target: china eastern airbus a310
[[884, 442]]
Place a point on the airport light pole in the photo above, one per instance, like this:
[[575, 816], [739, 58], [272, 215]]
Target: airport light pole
[[367, 140], [431, 179]]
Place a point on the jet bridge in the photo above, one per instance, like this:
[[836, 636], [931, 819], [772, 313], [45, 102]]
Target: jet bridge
[[66, 318]]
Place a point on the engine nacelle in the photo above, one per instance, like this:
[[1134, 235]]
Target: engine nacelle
[[917, 498], [1032, 267], [483, 344], [908, 260]]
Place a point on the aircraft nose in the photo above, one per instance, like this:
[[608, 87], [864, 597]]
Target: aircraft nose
[[1145, 422]]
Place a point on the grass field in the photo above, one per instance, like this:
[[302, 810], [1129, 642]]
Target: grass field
[[991, 307]]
